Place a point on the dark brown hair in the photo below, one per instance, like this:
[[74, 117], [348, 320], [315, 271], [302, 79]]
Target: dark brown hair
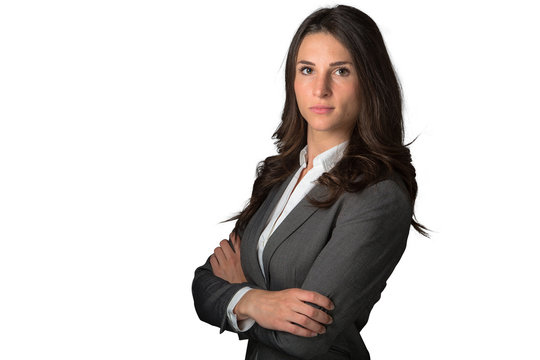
[[376, 145]]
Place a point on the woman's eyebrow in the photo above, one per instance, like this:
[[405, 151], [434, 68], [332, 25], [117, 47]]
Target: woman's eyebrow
[[337, 63]]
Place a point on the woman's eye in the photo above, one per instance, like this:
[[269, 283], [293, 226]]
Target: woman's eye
[[343, 71], [304, 69]]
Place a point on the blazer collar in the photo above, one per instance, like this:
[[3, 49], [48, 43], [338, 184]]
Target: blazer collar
[[251, 238], [301, 212]]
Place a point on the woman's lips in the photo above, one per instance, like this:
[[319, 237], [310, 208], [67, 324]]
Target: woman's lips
[[321, 109]]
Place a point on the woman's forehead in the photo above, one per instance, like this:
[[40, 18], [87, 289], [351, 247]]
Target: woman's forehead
[[322, 47]]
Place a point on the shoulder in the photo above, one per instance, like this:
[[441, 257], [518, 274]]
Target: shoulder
[[388, 198]]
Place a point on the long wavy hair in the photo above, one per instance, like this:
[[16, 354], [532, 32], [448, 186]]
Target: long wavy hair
[[375, 146]]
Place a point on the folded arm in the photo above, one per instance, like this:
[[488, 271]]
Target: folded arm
[[365, 246], [211, 295], [278, 310]]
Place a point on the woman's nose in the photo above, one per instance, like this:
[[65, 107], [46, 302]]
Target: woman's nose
[[321, 86]]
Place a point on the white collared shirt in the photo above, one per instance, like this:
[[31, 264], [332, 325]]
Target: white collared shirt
[[288, 201]]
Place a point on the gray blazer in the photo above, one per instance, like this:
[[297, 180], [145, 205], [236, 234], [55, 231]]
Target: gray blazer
[[345, 252]]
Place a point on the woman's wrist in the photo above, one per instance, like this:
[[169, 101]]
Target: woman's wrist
[[242, 308]]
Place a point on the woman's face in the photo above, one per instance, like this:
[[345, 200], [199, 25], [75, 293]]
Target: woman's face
[[326, 85]]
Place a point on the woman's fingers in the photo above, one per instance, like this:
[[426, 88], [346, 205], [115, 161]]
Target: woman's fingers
[[220, 255], [311, 312], [314, 298], [308, 323], [226, 263], [297, 330], [314, 313], [235, 239], [215, 264], [226, 248], [224, 251]]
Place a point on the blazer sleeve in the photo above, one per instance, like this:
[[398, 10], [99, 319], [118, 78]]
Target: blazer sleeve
[[365, 245], [211, 295]]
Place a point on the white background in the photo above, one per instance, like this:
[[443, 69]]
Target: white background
[[129, 129]]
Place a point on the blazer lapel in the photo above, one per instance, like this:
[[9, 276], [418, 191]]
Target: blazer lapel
[[301, 212], [251, 238]]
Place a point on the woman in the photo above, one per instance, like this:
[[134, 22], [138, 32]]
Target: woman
[[311, 252]]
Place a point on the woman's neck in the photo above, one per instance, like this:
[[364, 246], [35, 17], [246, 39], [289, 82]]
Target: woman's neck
[[319, 142]]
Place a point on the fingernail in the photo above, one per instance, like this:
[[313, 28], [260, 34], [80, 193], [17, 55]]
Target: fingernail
[[314, 334], [323, 330]]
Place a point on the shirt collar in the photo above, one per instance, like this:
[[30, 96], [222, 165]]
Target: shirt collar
[[327, 159]]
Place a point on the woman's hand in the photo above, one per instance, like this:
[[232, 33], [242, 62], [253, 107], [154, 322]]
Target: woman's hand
[[286, 310], [225, 261]]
